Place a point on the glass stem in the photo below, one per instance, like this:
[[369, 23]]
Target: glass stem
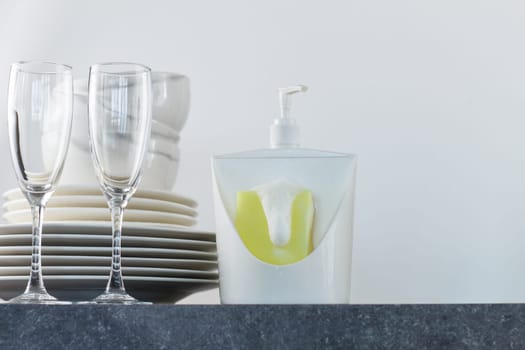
[[115, 283], [36, 283]]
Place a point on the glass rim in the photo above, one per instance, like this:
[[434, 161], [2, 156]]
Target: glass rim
[[59, 68], [108, 68]]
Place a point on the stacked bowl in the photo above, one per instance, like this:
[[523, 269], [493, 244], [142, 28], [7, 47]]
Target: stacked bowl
[[170, 107], [164, 259]]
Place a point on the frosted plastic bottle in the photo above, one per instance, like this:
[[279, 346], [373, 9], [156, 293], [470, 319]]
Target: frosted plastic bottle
[[276, 175]]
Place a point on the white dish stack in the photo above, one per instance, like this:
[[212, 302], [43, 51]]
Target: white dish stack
[[162, 263], [86, 203], [170, 107], [163, 258]]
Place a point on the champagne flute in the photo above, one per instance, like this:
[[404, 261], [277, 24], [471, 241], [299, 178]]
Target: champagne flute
[[119, 112], [40, 101]]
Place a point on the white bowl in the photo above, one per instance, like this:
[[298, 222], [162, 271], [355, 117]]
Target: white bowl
[[171, 99], [157, 143], [80, 135], [167, 148], [78, 167], [159, 169], [163, 130]]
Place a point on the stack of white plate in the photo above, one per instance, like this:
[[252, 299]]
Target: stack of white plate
[[164, 260], [86, 203]]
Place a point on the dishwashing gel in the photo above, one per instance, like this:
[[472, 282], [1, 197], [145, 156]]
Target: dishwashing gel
[[284, 219]]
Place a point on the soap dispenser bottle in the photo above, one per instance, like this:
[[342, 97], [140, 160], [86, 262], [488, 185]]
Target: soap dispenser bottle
[[284, 218]]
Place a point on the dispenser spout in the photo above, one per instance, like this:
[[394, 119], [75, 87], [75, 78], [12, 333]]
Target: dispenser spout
[[284, 132], [285, 99]]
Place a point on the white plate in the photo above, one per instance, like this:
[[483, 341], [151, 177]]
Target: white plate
[[100, 214], [106, 251], [74, 190], [71, 260], [100, 202], [82, 240], [103, 228], [104, 271], [75, 288], [105, 241]]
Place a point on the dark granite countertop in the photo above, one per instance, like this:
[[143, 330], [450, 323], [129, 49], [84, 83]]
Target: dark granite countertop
[[485, 326]]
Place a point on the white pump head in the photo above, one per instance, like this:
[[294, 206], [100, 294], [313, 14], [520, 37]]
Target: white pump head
[[284, 132]]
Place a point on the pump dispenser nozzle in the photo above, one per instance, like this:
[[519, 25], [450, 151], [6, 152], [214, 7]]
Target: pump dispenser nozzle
[[284, 132]]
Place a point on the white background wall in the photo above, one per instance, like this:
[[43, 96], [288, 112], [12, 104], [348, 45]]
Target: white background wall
[[429, 94]]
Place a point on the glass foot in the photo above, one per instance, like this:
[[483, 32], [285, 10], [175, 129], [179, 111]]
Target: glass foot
[[37, 298], [122, 298]]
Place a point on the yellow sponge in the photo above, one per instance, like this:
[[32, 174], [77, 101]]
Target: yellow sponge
[[252, 226]]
